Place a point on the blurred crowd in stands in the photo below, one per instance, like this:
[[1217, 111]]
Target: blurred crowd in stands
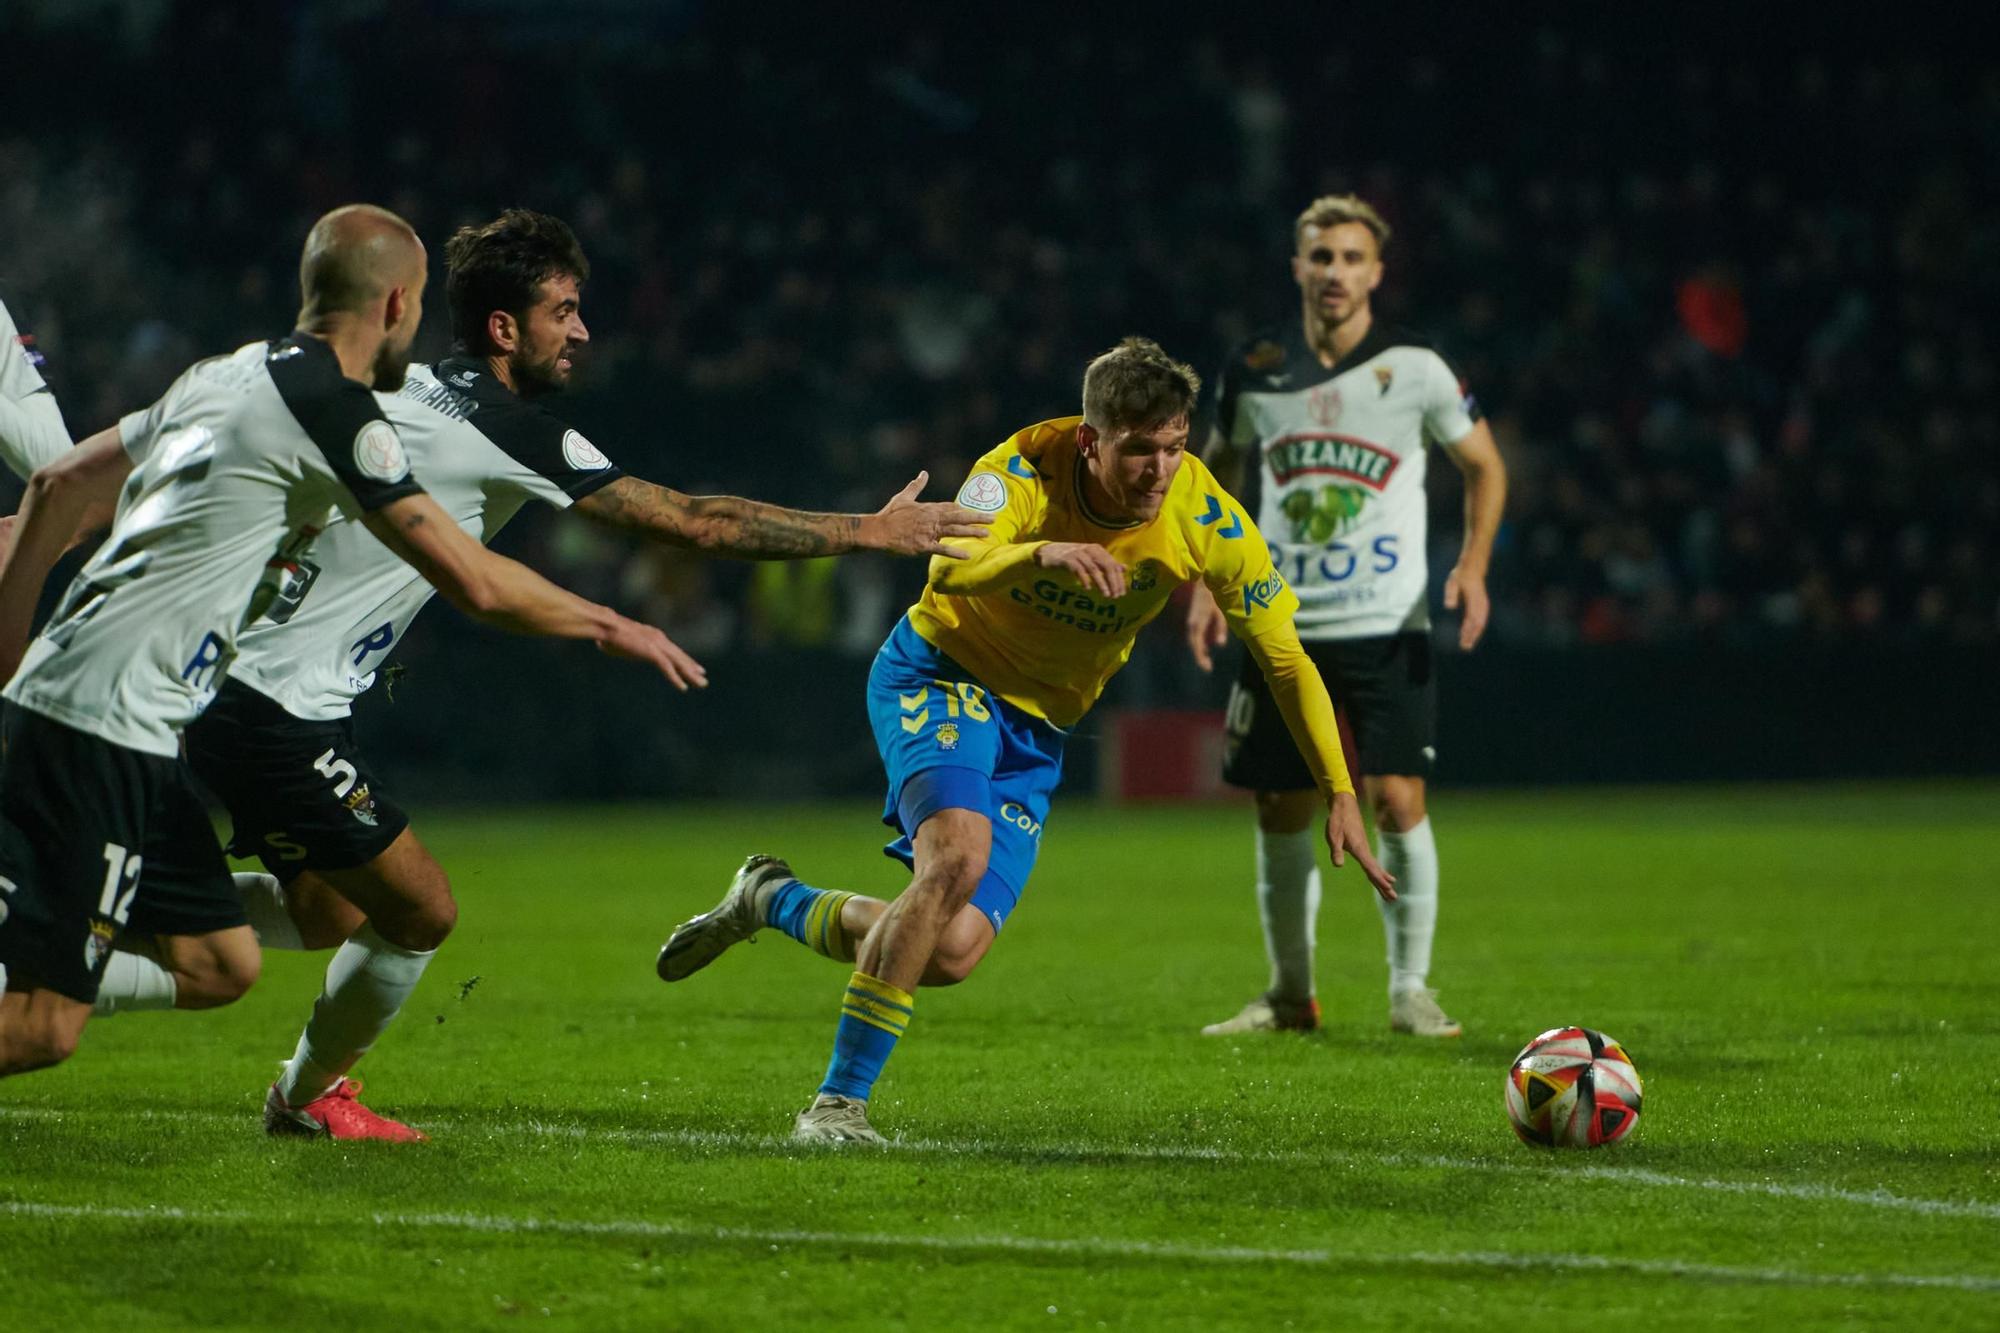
[[1731, 314]]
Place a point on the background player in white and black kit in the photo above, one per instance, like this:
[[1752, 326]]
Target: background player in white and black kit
[[31, 424], [1323, 428], [278, 744], [232, 475]]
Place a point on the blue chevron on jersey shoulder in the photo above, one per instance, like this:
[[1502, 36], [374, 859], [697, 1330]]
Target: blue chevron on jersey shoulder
[[1019, 468], [1214, 515]]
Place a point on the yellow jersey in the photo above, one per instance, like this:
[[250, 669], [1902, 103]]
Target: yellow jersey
[[1043, 642]]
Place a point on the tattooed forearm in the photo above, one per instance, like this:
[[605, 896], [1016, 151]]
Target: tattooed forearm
[[721, 524]]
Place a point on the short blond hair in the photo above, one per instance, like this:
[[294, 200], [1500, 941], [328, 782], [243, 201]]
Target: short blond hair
[[1137, 386], [1330, 210]]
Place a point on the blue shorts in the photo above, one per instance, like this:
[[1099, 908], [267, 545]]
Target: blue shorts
[[949, 744]]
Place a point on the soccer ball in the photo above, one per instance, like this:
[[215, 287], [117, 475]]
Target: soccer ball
[[1572, 1088]]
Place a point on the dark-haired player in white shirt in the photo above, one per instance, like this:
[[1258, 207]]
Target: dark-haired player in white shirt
[[278, 745], [222, 487], [1324, 428]]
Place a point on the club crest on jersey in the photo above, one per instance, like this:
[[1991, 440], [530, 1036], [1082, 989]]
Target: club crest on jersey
[[361, 804], [581, 454], [947, 735], [30, 352], [1384, 376], [98, 947], [1144, 576], [378, 453], [1323, 404], [983, 492]]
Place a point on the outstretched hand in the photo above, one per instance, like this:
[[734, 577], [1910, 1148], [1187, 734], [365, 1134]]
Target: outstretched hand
[[1207, 627], [1346, 837], [905, 527], [636, 642]]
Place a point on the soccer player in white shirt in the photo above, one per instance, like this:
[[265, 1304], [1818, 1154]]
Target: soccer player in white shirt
[[31, 425], [232, 475], [1323, 428], [278, 746]]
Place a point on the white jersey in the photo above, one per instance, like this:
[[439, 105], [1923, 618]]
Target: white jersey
[[1334, 470], [482, 452], [237, 468], [32, 433]]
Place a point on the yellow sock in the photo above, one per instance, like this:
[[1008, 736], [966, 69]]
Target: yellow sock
[[823, 932]]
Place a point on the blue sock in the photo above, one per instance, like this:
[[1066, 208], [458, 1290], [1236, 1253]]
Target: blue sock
[[873, 1014], [812, 917]]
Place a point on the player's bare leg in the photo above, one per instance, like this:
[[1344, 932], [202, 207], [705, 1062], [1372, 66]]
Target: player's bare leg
[[408, 908], [305, 912], [1409, 852], [1288, 896], [38, 1027], [204, 971], [831, 924], [951, 850], [963, 942]]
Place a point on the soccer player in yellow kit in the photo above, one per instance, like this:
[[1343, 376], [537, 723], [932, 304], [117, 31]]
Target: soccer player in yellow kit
[[1096, 520]]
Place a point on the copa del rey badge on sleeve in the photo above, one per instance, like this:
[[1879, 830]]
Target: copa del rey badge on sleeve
[[984, 492]]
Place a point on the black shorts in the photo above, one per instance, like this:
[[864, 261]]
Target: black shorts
[[1387, 697], [299, 795], [94, 839]]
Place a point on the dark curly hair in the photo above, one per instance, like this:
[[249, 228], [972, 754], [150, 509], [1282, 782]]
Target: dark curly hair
[[501, 266]]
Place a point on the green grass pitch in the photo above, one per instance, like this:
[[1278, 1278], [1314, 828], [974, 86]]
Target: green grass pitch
[[1806, 978]]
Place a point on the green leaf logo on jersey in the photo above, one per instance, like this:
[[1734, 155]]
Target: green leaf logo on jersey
[[1320, 516]]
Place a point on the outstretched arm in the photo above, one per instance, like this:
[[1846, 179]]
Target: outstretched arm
[[1308, 712], [61, 498], [508, 595], [749, 530]]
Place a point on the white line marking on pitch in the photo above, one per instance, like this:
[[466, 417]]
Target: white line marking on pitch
[[1074, 1247], [728, 1141]]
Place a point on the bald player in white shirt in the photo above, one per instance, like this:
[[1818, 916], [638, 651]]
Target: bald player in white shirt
[[222, 487]]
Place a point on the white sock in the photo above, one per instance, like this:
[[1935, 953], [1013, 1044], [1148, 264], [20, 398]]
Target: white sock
[[1288, 900], [366, 983], [133, 983], [264, 901], [1409, 922]]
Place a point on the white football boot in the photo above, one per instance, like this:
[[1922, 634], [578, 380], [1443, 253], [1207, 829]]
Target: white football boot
[[1416, 1012], [835, 1119], [701, 940], [1269, 1013]]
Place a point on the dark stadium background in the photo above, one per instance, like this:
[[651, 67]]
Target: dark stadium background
[[1723, 281]]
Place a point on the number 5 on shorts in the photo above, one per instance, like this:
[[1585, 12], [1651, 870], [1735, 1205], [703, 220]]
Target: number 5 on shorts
[[339, 770]]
